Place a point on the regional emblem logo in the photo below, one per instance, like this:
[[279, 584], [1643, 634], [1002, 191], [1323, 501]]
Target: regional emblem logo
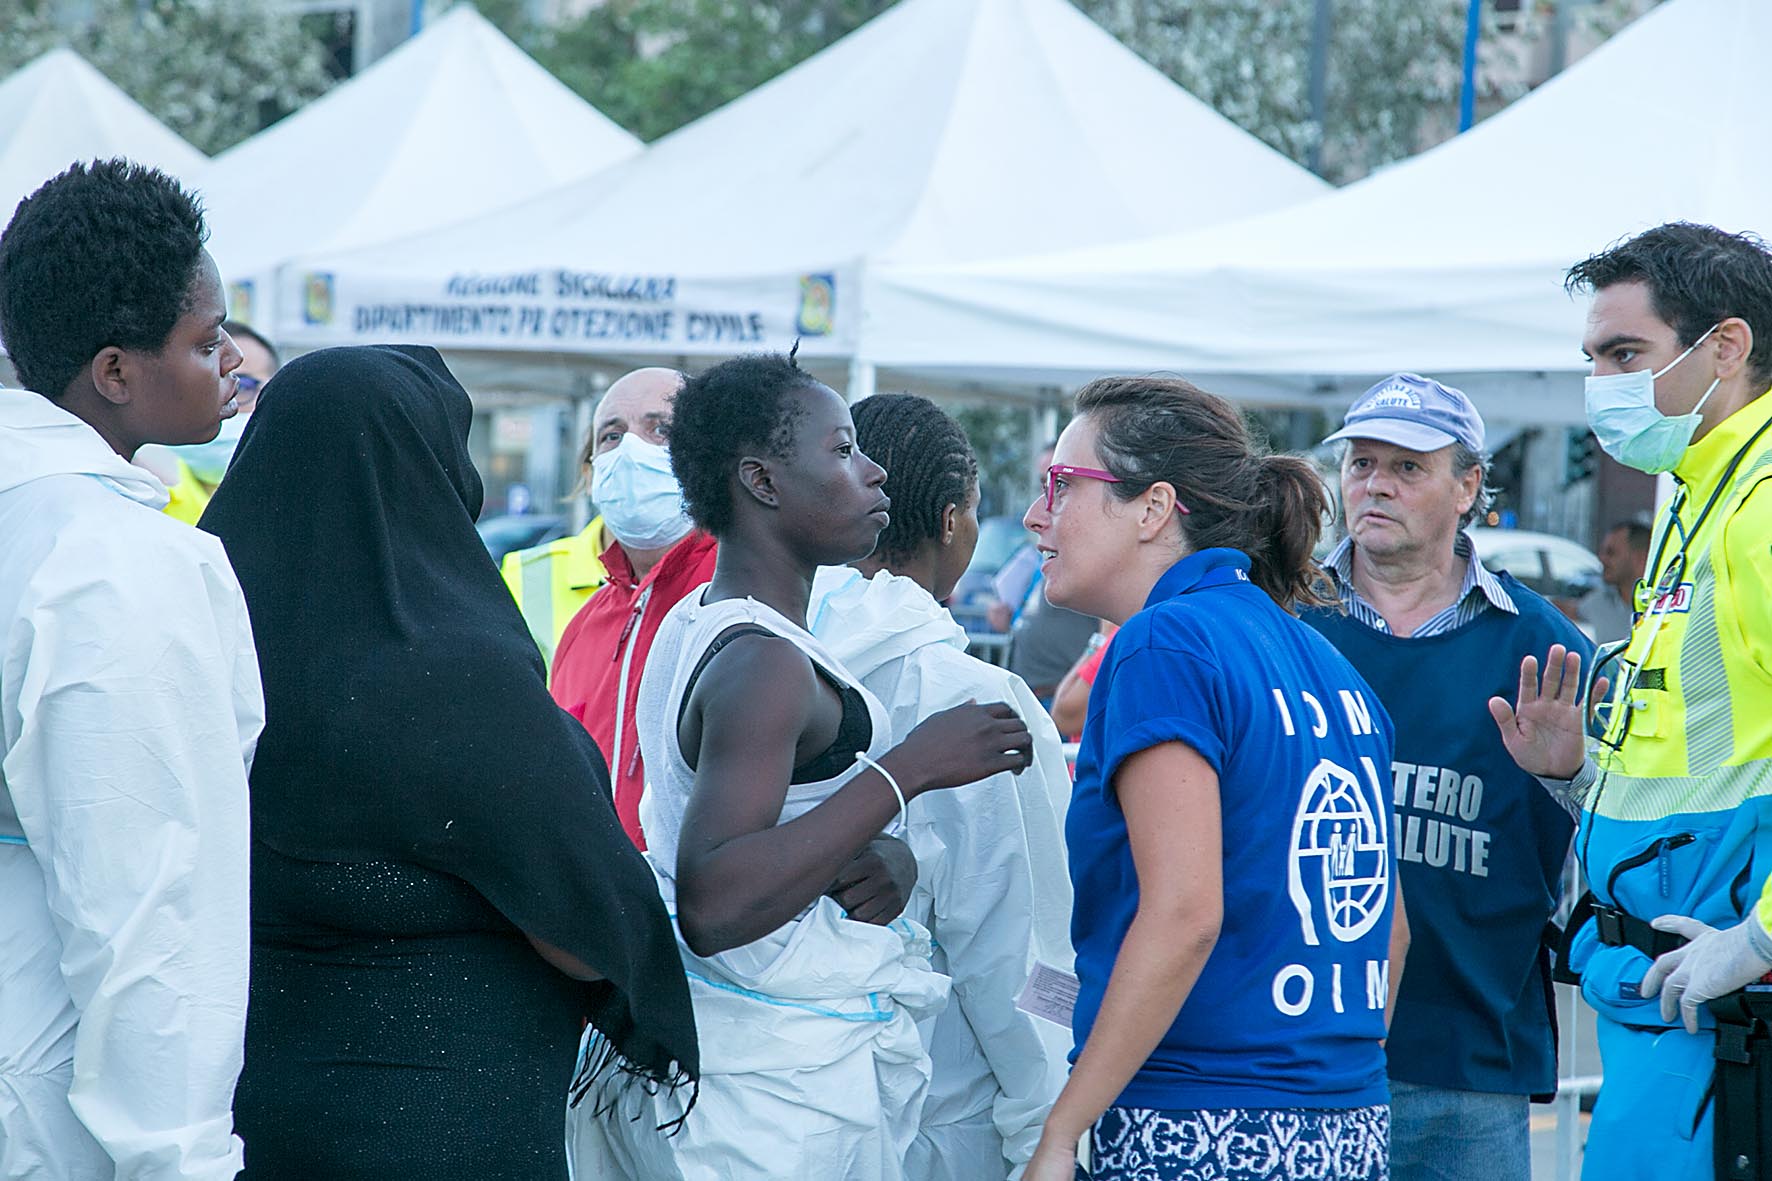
[[240, 299], [317, 298], [818, 305]]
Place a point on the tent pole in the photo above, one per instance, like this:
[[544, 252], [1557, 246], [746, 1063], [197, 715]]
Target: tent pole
[[1467, 94], [1322, 29], [1042, 430], [861, 379]]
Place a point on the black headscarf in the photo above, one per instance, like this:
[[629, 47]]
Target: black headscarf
[[407, 710]]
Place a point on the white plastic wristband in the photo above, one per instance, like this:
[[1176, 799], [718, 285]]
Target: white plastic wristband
[[863, 758]]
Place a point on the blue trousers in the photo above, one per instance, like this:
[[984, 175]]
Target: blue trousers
[[1652, 1121], [1439, 1134]]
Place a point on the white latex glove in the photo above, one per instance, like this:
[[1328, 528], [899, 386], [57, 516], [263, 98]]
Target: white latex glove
[[1714, 964]]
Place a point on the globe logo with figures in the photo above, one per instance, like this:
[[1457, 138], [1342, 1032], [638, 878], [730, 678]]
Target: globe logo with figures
[[1340, 862]]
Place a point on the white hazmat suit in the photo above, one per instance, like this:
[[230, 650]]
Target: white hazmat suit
[[812, 1067], [129, 709], [992, 888]]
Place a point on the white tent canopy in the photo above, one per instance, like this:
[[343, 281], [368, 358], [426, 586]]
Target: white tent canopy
[[1450, 263], [455, 122], [942, 131], [58, 109]]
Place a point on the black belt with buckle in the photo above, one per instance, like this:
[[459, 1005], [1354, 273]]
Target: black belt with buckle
[[1619, 929]]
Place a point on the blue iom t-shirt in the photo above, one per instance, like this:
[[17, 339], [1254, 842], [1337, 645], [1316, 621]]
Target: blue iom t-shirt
[[1289, 1009]]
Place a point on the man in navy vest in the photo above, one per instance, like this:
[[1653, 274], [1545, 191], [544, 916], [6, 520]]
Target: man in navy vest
[[1481, 844]]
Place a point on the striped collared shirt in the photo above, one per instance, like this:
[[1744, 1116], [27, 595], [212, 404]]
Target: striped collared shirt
[[1480, 592]]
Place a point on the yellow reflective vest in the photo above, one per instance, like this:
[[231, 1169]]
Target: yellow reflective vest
[[1683, 805], [1698, 736], [552, 581], [189, 497]]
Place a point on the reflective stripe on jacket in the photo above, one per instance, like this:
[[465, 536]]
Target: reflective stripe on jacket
[[552, 581], [1680, 819]]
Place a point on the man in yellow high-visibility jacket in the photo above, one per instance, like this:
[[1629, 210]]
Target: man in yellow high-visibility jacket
[[1675, 797], [551, 581]]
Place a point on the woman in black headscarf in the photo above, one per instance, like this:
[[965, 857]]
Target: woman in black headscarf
[[441, 890]]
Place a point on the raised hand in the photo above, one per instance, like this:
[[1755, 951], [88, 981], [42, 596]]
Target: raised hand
[[1544, 729]]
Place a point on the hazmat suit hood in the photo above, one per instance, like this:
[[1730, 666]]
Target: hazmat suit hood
[[885, 618], [39, 438]]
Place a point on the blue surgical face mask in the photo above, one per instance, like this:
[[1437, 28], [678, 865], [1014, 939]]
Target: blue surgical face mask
[[209, 461], [1621, 410], [641, 501]]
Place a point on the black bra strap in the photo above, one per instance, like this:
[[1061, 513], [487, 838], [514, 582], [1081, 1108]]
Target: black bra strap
[[720, 641]]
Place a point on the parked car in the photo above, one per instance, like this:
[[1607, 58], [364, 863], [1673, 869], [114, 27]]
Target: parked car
[[515, 531], [1555, 567]]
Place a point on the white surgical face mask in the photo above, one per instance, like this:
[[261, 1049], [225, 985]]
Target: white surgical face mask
[[1621, 410], [640, 499], [209, 461]]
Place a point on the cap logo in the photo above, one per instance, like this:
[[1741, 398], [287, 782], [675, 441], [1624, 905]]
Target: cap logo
[[1393, 397]]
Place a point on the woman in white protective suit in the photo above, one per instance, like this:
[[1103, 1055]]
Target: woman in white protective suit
[[992, 885], [771, 774]]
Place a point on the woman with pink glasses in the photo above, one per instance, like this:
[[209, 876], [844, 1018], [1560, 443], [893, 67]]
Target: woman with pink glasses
[[1237, 926]]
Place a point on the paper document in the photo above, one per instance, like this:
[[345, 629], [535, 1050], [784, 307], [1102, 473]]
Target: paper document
[[1051, 993]]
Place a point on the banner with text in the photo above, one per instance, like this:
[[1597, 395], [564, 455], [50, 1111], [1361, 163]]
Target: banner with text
[[562, 310]]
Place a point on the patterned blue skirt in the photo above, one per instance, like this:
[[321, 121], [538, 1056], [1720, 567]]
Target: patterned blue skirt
[[1243, 1144]]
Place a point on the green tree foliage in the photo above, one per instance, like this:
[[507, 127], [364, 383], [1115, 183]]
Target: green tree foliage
[[1004, 446], [1394, 69], [215, 71]]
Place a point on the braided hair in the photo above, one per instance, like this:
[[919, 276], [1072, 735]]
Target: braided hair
[[929, 465]]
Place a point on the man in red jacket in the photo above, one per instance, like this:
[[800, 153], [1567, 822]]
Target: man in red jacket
[[655, 560]]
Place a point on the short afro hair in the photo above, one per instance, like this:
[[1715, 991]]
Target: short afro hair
[[740, 407], [1697, 276], [929, 465], [103, 255]]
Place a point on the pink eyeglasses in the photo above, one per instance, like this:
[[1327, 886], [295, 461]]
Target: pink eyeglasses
[[1060, 471]]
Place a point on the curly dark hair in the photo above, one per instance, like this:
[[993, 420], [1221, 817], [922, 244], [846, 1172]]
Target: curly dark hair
[[1272, 507], [739, 407], [102, 255], [1697, 275], [929, 465]]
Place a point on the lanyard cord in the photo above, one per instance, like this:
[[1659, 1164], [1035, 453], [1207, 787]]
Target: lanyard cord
[[1703, 513], [1673, 526], [1656, 567]]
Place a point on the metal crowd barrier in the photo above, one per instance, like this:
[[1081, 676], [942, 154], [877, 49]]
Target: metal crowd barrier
[[990, 647]]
